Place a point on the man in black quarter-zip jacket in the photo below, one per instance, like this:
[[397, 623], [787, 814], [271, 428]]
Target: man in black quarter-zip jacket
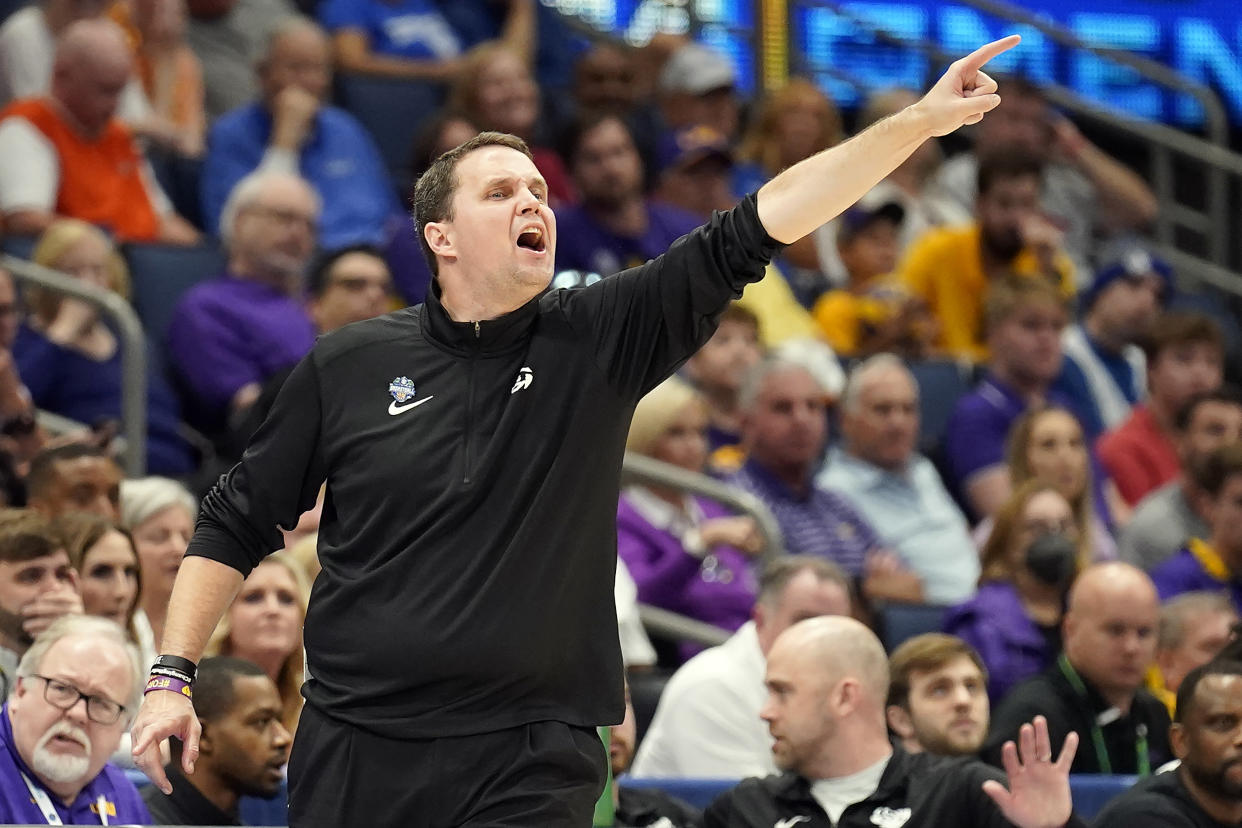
[[461, 637]]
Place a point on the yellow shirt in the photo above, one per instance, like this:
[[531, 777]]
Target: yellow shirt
[[780, 315], [945, 268], [846, 318]]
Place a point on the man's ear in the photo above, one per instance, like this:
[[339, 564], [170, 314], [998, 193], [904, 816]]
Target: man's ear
[[1177, 741], [899, 721], [439, 238], [205, 747]]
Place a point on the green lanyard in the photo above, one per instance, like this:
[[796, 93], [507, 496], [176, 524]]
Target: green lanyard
[[1097, 735]]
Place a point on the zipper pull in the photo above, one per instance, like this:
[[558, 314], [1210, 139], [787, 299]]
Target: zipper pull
[[476, 330]]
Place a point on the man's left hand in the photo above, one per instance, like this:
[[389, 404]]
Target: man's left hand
[[1039, 792]]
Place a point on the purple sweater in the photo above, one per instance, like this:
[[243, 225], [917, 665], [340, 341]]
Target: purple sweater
[[669, 578], [1009, 642]]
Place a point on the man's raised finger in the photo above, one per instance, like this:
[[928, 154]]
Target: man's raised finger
[[975, 60]]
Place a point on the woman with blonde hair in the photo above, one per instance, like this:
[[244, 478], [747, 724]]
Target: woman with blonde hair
[[264, 626], [495, 90], [1028, 563], [109, 576], [685, 553], [70, 358], [791, 123]]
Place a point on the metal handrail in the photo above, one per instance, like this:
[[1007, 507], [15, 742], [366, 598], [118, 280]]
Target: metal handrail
[[133, 350], [638, 468], [671, 625]]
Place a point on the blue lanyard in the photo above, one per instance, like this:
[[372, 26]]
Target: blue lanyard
[[1142, 754]]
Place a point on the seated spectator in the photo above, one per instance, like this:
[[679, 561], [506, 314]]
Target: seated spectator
[[1104, 372], [1165, 520], [717, 370], [1024, 319], [1046, 444], [897, 490], [1095, 688], [614, 226], [291, 129], [411, 39], [494, 90], [28, 50], [872, 312], [242, 750], [229, 37], [1194, 627], [1083, 189], [696, 169], [20, 434], [104, 557], [687, 554], [707, 723], [171, 76], [54, 767], [229, 335], [784, 430], [66, 154], [1185, 356], [344, 286], [264, 626], [790, 123], [1204, 790], [71, 356], [698, 87], [75, 477], [640, 807], [1014, 621], [937, 696], [827, 682], [37, 585], [607, 79], [952, 268], [159, 513], [1214, 562]]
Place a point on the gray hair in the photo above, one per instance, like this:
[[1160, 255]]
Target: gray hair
[[778, 573], [864, 370], [289, 25], [1176, 613], [146, 497], [247, 191], [755, 378], [86, 626]]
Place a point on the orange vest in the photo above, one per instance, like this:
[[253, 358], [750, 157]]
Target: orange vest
[[101, 180]]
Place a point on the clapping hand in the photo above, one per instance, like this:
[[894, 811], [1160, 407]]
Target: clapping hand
[[1039, 792]]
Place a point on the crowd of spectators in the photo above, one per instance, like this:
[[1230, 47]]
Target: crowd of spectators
[[1072, 504]]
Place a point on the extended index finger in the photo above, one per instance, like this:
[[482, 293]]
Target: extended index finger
[[975, 60]]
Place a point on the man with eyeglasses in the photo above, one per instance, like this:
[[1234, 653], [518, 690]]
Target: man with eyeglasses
[[229, 335], [76, 691]]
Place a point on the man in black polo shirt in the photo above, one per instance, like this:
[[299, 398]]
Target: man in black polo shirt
[[1206, 790], [461, 638], [827, 682], [242, 751], [1095, 688]]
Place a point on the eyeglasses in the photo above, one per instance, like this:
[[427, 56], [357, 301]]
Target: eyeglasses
[[99, 710]]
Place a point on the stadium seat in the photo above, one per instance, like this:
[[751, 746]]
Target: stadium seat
[[393, 111], [19, 247], [899, 622], [941, 382], [1091, 792], [697, 792], [160, 273], [645, 691]]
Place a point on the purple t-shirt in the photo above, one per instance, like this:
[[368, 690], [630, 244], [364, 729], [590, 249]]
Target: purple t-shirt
[[1183, 573], [229, 332], [17, 806], [821, 523], [583, 244]]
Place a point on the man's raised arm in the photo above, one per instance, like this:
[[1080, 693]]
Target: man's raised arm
[[814, 191], [203, 590]]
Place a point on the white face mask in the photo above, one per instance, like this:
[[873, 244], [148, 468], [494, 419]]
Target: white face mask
[[58, 767]]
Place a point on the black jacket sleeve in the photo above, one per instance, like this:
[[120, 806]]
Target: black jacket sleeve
[[277, 480], [648, 320]]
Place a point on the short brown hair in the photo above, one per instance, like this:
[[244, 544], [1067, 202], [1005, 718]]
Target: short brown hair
[[922, 654], [994, 557], [26, 535], [778, 572], [433, 193], [1222, 464], [737, 312], [1181, 328], [1011, 292]]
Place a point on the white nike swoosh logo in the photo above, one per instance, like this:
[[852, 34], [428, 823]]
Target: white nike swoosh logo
[[395, 409], [788, 823]]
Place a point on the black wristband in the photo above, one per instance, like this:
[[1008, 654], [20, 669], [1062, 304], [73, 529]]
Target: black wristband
[[177, 663]]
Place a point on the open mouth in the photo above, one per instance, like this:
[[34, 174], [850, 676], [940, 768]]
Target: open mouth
[[532, 239]]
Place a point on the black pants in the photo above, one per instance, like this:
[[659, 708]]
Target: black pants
[[541, 775]]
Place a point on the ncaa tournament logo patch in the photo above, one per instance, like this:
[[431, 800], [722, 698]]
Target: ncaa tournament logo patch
[[402, 389]]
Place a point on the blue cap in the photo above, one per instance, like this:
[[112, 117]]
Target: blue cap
[[1132, 263], [690, 146]]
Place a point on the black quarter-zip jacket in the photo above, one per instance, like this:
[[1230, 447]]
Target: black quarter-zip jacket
[[468, 537]]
